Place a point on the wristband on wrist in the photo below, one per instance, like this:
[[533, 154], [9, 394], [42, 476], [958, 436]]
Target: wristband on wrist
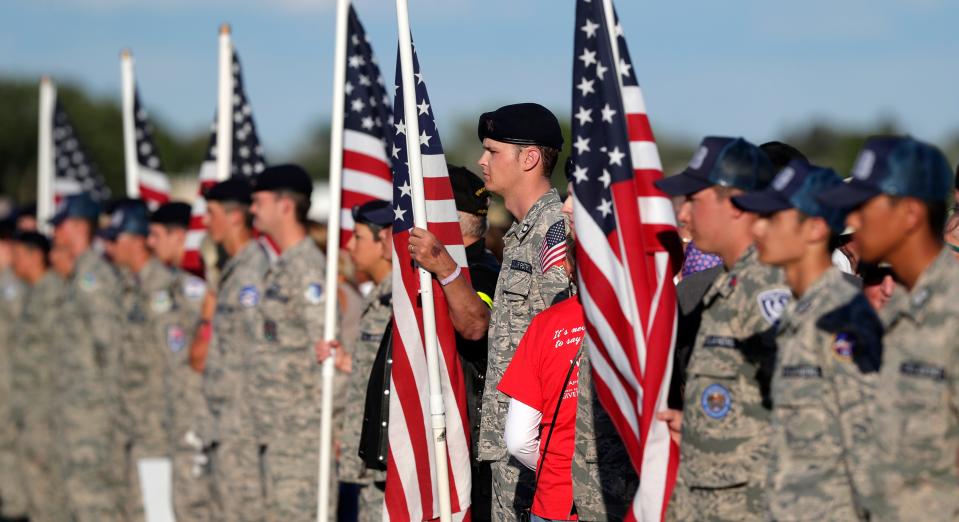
[[452, 277]]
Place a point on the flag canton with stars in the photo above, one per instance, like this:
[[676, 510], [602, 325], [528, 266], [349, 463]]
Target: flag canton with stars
[[600, 139], [429, 141], [247, 153], [367, 106], [553, 252], [74, 168], [143, 130]]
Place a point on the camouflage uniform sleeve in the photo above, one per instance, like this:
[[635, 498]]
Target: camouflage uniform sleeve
[[311, 300], [103, 319]]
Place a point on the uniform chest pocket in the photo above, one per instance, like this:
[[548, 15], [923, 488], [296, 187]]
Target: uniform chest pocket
[[922, 407], [518, 281], [799, 408]]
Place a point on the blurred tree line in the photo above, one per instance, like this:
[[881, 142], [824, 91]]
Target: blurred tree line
[[98, 123]]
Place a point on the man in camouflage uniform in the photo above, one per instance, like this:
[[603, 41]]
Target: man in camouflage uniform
[[828, 350], [228, 383], [180, 326], [370, 250], [34, 405], [521, 144], [13, 499], [898, 194], [290, 322], [87, 359], [725, 422]]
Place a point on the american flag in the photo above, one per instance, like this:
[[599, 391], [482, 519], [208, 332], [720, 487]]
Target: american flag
[[367, 121], [553, 252], [623, 227], [411, 482], [154, 184], [247, 160], [74, 170]]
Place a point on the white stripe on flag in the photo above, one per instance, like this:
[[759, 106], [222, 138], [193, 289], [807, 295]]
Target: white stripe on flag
[[645, 156], [346, 219], [434, 166], [656, 210], [156, 180], [375, 186], [633, 102], [194, 238], [365, 144]]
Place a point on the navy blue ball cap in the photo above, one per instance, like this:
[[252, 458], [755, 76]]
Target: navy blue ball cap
[[130, 216], [234, 190], [722, 161], [289, 177], [174, 213], [34, 240], [898, 166], [797, 186], [77, 206], [521, 124], [377, 213]]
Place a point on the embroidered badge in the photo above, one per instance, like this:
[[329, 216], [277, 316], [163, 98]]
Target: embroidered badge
[[802, 371], [522, 266], [313, 293], [716, 401], [269, 330], [923, 370], [88, 281], [842, 347], [772, 303], [719, 341], [249, 296], [161, 302], [194, 288], [175, 338]]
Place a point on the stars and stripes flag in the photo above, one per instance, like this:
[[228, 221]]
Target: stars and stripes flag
[[74, 170], [366, 128], [626, 232], [247, 160], [411, 482], [154, 184], [553, 252]]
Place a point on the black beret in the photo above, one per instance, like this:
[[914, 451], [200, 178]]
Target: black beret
[[469, 191], [234, 190], [284, 177], [29, 209], [175, 213], [33, 240], [521, 124], [377, 213]]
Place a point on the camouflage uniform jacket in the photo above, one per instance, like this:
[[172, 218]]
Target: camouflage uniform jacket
[[11, 297], [827, 344], [522, 291], [228, 375], [187, 409], [604, 481], [32, 373], [287, 376], [726, 413], [88, 342], [917, 417], [376, 315]]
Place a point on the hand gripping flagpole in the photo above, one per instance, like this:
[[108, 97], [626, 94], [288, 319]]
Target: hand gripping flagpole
[[129, 127], [332, 259], [414, 156], [45, 197], [224, 106]]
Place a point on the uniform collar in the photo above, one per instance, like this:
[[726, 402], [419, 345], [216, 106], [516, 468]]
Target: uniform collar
[[726, 283], [245, 253], [814, 294], [933, 279], [521, 228], [86, 261], [295, 250]]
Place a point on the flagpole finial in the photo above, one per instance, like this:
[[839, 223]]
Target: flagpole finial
[[125, 53], [224, 28], [45, 79]]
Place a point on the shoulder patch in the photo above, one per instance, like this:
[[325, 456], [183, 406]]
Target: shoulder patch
[[716, 401], [88, 281], [313, 293], [249, 296], [175, 338], [194, 288], [843, 346], [161, 302], [772, 303]]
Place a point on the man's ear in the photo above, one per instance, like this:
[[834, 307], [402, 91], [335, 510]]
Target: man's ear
[[817, 229], [531, 157], [913, 213]]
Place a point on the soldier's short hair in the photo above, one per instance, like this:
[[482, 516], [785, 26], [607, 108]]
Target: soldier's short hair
[[235, 206], [472, 225], [301, 204]]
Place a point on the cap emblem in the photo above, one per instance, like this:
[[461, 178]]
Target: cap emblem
[[698, 158], [864, 164], [783, 178]]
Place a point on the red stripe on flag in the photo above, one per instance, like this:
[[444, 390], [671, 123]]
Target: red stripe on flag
[[639, 128], [353, 160]]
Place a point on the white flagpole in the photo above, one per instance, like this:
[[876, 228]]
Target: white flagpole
[[129, 128], [332, 259], [224, 107], [45, 197], [414, 157], [613, 40]]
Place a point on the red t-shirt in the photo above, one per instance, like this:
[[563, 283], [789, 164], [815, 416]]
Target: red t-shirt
[[534, 377]]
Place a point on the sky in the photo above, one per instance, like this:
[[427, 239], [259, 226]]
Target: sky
[[755, 68]]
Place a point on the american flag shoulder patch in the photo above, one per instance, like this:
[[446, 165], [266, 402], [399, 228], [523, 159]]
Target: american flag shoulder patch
[[553, 251]]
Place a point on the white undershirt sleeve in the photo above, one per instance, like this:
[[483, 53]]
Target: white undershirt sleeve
[[522, 433]]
